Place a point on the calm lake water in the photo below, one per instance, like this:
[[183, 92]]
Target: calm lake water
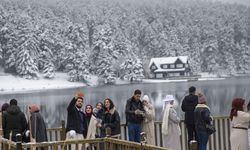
[[54, 102]]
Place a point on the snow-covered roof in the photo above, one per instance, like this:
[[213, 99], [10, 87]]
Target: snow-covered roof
[[169, 70], [167, 60]]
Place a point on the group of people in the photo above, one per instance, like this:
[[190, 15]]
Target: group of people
[[140, 115], [13, 122], [197, 119], [104, 120]]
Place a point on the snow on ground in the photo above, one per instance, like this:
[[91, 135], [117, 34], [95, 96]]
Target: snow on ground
[[10, 83], [162, 80], [178, 80]]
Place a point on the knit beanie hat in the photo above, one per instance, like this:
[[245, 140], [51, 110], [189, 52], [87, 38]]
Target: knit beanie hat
[[145, 98]]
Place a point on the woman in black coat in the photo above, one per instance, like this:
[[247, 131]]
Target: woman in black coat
[[111, 119]]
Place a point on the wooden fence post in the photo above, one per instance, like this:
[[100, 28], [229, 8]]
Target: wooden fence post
[[18, 141], [193, 145], [108, 131], [63, 132]]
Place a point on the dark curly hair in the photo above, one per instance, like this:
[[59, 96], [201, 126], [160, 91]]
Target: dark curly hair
[[111, 104], [237, 104]]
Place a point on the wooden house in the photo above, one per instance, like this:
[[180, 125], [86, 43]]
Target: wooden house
[[167, 67]]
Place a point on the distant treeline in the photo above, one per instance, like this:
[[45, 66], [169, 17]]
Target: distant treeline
[[116, 38]]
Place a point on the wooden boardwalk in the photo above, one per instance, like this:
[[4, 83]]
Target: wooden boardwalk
[[218, 141]]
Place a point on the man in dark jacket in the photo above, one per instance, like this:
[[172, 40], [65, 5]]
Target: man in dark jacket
[[134, 116], [76, 121], [13, 121], [188, 105]]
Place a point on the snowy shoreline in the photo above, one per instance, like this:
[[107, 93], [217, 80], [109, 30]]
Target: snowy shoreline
[[10, 83]]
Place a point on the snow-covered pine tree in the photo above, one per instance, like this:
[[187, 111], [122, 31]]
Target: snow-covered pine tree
[[138, 71], [78, 68], [245, 55], [28, 50], [7, 39], [132, 69], [25, 64], [227, 48], [76, 57], [46, 55], [126, 69], [103, 54], [1, 52], [195, 55]]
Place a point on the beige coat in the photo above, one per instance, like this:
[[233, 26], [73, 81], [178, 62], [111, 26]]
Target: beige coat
[[171, 137], [148, 124], [1, 130], [239, 137], [91, 130]]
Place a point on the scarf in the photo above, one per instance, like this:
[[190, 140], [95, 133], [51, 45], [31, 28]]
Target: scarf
[[165, 120]]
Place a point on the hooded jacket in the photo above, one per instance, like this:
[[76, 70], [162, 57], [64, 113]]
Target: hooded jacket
[[201, 117], [111, 119], [38, 127], [13, 120]]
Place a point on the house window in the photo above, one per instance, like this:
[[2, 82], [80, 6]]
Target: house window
[[172, 66], [165, 66], [153, 67], [179, 66], [159, 75], [174, 74], [170, 74], [177, 74]]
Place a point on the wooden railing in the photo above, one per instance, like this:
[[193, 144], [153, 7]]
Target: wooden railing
[[217, 141]]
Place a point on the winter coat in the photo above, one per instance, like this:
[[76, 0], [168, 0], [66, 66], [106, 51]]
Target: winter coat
[[92, 128], [111, 119], [148, 124], [38, 127], [201, 117], [13, 120], [188, 105], [74, 120], [171, 140], [131, 106], [1, 132], [239, 137]]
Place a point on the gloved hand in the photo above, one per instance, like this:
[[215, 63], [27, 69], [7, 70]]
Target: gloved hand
[[27, 133], [72, 133]]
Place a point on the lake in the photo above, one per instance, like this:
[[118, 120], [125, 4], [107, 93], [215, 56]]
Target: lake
[[54, 103]]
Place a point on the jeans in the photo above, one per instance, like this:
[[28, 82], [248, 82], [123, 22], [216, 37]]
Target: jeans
[[134, 132], [202, 140]]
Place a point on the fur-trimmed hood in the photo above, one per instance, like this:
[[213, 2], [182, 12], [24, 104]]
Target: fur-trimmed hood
[[111, 111], [202, 106]]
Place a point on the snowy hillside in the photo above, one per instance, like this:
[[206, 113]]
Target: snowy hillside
[[115, 39]]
